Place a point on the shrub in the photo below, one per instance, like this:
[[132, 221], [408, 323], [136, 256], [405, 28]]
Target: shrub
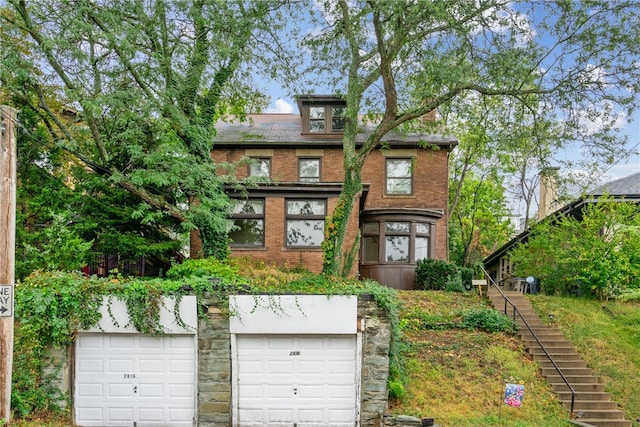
[[486, 319], [434, 274], [467, 277]]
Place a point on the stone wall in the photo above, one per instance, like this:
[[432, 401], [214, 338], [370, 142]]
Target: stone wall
[[214, 367], [375, 361], [406, 421]]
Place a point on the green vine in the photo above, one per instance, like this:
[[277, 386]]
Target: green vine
[[52, 307]]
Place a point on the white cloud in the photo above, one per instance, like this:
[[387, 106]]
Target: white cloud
[[600, 118], [280, 106]]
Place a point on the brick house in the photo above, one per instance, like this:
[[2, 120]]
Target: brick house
[[297, 159]]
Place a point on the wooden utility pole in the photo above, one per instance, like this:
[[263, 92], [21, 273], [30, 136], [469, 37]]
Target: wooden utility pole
[[7, 253]]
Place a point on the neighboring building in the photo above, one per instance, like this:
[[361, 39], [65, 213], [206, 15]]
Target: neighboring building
[[626, 189], [401, 212]]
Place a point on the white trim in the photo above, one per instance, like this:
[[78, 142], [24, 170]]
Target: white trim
[[115, 318], [293, 314], [234, 381], [358, 375]]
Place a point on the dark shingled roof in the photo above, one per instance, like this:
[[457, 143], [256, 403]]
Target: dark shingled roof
[[286, 129], [629, 185]]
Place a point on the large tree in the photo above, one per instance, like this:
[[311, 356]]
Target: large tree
[[141, 85], [563, 62]]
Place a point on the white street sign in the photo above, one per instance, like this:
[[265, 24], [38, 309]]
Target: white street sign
[[6, 300]]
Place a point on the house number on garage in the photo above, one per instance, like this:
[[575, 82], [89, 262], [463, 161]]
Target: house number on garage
[[129, 376], [294, 353]]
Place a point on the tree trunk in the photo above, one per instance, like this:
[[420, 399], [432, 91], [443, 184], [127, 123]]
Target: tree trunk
[[337, 224]]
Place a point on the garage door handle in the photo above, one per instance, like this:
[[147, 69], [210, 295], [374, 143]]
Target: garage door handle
[[295, 391], [135, 389]]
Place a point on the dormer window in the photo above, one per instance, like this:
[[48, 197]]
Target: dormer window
[[326, 119], [322, 114]]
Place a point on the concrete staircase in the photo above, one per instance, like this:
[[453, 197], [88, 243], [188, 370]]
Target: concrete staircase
[[592, 405]]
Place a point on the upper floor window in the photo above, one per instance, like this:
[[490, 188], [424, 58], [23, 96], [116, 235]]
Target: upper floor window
[[399, 176], [309, 170], [246, 223], [326, 119], [260, 167], [305, 222]]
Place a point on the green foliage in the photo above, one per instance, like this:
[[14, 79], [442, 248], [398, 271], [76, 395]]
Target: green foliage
[[467, 274], [476, 226], [396, 390], [627, 295], [477, 318], [596, 254], [228, 271], [58, 248], [486, 319], [50, 308], [146, 122], [435, 274]]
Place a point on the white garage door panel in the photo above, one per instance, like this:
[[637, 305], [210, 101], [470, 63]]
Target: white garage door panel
[[127, 378], [296, 380]]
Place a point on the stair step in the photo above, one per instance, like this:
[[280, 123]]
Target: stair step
[[547, 342], [534, 347], [590, 404], [603, 423], [544, 339], [602, 414], [565, 396], [563, 364], [558, 357], [568, 372], [573, 379], [541, 334], [580, 388]]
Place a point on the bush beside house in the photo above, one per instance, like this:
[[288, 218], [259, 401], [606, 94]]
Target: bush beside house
[[438, 275]]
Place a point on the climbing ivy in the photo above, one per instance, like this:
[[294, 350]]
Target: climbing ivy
[[51, 307]]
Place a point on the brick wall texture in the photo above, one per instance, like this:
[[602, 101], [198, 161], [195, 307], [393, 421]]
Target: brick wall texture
[[430, 192]]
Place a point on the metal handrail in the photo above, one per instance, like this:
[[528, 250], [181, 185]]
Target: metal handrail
[[515, 310]]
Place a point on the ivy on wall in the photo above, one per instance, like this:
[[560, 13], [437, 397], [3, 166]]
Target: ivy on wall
[[52, 307]]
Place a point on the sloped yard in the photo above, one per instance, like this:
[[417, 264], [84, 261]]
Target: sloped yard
[[457, 375]]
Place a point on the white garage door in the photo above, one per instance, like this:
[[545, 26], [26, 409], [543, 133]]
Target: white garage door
[[296, 380], [134, 380]]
